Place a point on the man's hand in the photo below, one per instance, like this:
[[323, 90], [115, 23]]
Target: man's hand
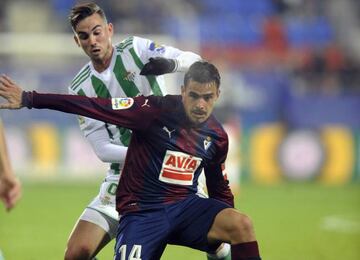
[[11, 92], [10, 190], [158, 66]]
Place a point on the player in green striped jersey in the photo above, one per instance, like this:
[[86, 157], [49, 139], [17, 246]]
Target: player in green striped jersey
[[114, 70]]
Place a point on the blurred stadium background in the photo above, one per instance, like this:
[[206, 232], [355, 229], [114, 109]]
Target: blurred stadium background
[[290, 101]]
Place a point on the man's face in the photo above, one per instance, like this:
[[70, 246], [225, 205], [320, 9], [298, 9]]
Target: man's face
[[94, 35], [199, 100]]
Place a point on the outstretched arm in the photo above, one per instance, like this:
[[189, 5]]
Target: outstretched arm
[[132, 113]]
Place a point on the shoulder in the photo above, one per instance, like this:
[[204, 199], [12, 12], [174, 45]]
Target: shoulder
[[166, 103], [218, 130], [133, 42], [124, 44], [170, 102], [80, 78]]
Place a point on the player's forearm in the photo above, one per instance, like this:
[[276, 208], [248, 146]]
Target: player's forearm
[[125, 112], [97, 108], [112, 153], [104, 149]]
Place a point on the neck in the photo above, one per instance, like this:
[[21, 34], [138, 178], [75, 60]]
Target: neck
[[103, 64]]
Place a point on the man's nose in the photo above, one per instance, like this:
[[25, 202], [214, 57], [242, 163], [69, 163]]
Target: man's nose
[[92, 39], [201, 104]]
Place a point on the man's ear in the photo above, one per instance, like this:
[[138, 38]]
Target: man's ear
[[76, 39], [182, 89], [111, 29]]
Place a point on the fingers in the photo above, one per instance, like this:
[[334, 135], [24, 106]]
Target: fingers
[[5, 106], [13, 196], [6, 96], [6, 81], [3, 93], [10, 191]]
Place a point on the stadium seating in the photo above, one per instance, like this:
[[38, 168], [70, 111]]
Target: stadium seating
[[302, 32]]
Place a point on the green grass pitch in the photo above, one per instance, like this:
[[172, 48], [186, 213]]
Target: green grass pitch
[[292, 221]]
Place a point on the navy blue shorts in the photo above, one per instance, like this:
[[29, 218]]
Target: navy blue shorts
[[145, 234]]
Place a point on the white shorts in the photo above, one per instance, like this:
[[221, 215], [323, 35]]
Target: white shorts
[[101, 211]]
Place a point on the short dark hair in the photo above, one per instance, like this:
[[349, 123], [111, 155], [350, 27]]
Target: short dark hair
[[202, 72], [80, 11]]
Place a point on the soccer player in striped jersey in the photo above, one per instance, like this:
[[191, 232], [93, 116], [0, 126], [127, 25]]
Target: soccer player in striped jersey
[[10, 186], [119, 70], [173, 139]]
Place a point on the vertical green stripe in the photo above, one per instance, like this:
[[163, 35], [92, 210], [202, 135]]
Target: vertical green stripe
[[125, 136], [102, 91], [115, 168], [151, 79], [100, 88], [121, 75], [81, 92]]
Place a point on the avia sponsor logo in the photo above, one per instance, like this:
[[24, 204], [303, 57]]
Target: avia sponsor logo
[[179, 168], [121, 103]]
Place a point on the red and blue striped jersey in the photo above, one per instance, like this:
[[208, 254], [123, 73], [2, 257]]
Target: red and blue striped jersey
[[166, 153]]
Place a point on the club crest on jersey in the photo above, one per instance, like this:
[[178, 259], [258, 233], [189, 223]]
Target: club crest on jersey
[[121, 103], [207, 142], [155, 47], [129, 76], [179, 168]]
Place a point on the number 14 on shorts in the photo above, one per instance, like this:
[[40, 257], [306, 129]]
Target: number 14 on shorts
[[135, 253]]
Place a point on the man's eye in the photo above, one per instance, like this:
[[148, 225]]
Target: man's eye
[[97, 32], [83, 36]]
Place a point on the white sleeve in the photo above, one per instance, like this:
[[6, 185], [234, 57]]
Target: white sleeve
[[184, 61], [146, 49], [104, 148], [97, 135]]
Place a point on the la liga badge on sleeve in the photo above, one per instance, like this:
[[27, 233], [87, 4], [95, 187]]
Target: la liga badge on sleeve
[[121, 103]]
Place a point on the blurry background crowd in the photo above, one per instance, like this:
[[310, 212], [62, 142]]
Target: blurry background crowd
[[290, 79]]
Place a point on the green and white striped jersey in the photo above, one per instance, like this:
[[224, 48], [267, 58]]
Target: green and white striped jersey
[[122, 79]]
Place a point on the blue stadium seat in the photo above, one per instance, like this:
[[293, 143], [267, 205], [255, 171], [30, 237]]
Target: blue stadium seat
[[315, 32], [231, 29], [240, 7]]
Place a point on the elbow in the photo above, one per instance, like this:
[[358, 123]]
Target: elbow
[[101, 156]]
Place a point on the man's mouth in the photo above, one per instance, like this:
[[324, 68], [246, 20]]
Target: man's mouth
[[198, 113]]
